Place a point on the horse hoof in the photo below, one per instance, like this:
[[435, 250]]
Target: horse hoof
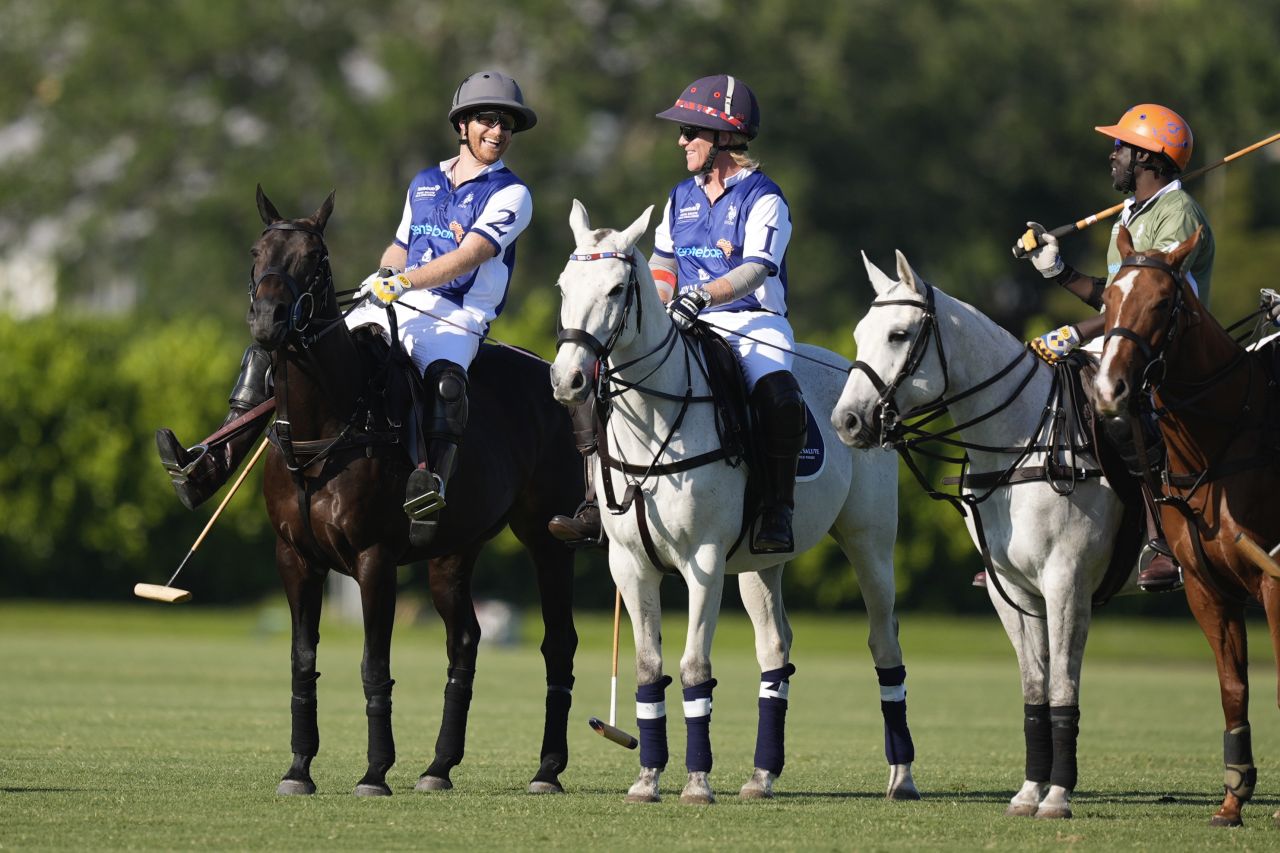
[[1021, 809], [1053, 813], [433, 783], [1224, 820], [1275, 819], [901, 785], [368, 789], [697, 791], [536, 787], [645, 788], [295, 787], [759, 786]]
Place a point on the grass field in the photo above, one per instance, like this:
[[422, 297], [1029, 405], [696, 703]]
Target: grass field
[[152, 727]]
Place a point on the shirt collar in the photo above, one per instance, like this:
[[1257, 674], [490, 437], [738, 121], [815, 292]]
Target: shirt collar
[[736, 178], [1130, 205], [446, 167]]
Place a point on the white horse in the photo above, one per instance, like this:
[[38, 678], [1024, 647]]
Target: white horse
[[689, 519], [1049, 544]]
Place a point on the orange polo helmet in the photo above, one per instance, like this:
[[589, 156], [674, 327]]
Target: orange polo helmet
[[1152, 127]]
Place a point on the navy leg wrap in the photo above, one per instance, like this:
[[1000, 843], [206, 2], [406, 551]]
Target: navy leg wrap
[[771, 753], [651, 720], [1065, 721], [898, 746], [382, 746], [1039, 737], [697, 722], [305, 738]]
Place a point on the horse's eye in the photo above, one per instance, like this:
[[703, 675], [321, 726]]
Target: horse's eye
[[897, 336], [616, 291]]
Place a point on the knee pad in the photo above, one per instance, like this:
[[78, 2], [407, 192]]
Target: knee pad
[[447, 383], [254, 384], [1119, 431]]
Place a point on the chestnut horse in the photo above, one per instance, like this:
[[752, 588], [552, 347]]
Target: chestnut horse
[[334, 486], [1216, 409]]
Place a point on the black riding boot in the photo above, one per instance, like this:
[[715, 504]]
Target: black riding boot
[[1162, 573], [583, 528], [779, 410], [1146, 463], [198, 472], [425, 492]]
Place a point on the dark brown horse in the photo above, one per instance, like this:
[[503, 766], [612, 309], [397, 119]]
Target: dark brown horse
[[1217, 412], [335, 483]]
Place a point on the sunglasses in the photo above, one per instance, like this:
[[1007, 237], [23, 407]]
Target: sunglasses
[[495, 119], [689, 132]]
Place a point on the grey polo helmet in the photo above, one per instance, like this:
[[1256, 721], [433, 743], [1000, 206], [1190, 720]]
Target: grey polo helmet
[[491, 90]]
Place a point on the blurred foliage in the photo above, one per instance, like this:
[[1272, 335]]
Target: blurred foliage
[[131, 142]]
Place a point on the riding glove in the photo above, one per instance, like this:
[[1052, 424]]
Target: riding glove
[[1056, 345], [1270, 305], [384, 290], [1045, 257], [684, 308]]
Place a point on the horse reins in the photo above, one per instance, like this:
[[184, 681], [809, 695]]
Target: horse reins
[[894, 429], [1192, 482], [606, 377], [299, 322]]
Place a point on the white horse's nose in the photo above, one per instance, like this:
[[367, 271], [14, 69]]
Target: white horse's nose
[[568, 386], [849, 427]]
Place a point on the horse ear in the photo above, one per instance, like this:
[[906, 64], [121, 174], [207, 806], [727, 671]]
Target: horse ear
[[906, 274], [1124, 242], [579, 223], [324, 211], [266, 209], [1179, 254], [636, 229], [879, 281]]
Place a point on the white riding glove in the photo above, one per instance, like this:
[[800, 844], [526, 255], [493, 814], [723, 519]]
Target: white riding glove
[[1044, 257], [1269, 302]]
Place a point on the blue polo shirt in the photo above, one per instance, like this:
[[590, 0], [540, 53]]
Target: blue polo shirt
[[749, 222], [437, 216]]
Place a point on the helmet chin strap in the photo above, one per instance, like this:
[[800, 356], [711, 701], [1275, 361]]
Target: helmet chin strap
[[714, 152]]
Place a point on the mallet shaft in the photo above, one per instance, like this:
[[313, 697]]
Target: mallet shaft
[[1030, 241]]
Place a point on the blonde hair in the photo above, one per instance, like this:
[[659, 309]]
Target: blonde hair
[[744, 160]]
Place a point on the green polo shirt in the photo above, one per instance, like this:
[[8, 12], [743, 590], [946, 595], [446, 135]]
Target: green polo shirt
[[1162, 223]]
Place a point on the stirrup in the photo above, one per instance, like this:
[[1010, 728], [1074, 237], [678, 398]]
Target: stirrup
[[773, 544], [178, 461], [421, 506]]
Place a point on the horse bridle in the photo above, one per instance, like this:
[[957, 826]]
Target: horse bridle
[[886, 407], [304, 305], [1155, 356], [588, 340]]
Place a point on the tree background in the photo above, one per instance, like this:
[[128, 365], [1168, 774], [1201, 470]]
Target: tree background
[[132, 135]]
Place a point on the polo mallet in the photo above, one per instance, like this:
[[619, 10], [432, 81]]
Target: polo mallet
[[1259, 556], [170, 594], [1030, 240], [608, 730]]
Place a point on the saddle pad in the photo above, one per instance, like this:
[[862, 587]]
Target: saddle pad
[[814, 456]]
